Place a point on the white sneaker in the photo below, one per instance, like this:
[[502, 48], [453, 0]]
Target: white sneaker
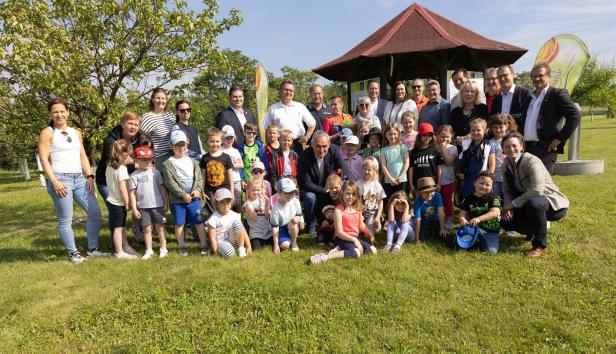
[[318, 258], [335, 249], [76, 257], [97, 253], [547, 223], [294, 247], [395, 249], [148, 254], [125, 255], [163, 253], [241, 251], [128, 249]]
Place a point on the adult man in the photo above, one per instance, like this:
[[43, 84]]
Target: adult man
[[512, 98], [236, 116], [438, 110], [417, 88], [317, 107], [291, 115], [542, 115], [492, 87], [459, 78], [376, 103], [314, 165]]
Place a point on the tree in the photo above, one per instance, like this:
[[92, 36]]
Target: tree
[[101, 56], [523, 80], [597, 86], [302, 80]]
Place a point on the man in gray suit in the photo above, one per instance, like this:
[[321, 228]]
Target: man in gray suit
[[376, 103]]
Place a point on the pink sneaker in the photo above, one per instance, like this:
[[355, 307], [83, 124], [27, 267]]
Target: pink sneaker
[[318, 258], [125, 255]]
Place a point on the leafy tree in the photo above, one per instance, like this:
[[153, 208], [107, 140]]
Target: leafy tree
[[597, 86], [523, 80], [302, 80], [101, 56]]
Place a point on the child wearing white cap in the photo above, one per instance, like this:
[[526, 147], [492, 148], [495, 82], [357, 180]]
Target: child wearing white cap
[[287, 217], [225, 228], [236, 159], [351, 161]]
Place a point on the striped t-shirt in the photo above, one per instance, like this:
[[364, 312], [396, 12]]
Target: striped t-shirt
[[159, 128]]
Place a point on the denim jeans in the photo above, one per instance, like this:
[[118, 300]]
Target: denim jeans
[[402, 231], [77, 189], [489, 241], [309, 199]]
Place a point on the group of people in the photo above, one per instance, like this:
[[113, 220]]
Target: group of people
[[399, 166]]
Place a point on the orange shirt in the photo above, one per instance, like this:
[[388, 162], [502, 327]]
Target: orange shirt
[[421, 103]]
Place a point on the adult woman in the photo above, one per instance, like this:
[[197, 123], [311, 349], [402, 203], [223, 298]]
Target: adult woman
[[531, 198], [400, 103], [182, 115], [158, 123], [471, 108], [65, 163], [365, 114]]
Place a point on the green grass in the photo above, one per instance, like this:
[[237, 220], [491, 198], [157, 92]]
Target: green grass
[[428, 298]]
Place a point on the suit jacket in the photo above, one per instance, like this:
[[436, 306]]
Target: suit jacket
[[556, 105], [380, 110], [308, 170], [521, 98], [535, 181], [228, 117]]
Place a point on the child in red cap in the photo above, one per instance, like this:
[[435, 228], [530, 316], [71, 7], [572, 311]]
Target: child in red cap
[[425, 158]]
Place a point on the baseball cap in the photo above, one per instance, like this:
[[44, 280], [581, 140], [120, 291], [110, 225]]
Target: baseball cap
[[466, 236], [143, 152], [425, 128], [222, 194], [346, 132], [257, 165], [178, 136], [228, 131], [352, 140], [286, 185]]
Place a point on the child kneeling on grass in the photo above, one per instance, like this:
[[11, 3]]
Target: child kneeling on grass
[[286, 218], [225, 228], [482, 210], [429, 210], [348, 222]]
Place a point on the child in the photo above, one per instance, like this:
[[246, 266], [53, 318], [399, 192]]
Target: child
[[257, 209], [363, 128], [372, 142], [325, 233], [394, 160], [216, 168], [258, 177], [348, 224], [183, 179], [252, 151], [500, 124], [116, 176], [148, 199], [272, 135], [286, 217], [225, 228], [425, 157], [409, 135], [236, 159], [429, 213], [351, 162], [482, 210], [371, 193], [398, 222], [449, 154], [284, 161], [477, 156]]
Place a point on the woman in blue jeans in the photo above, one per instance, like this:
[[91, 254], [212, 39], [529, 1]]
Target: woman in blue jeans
[[65, 163]]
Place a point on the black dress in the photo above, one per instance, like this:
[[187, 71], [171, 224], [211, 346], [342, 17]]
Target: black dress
[[461, 122]]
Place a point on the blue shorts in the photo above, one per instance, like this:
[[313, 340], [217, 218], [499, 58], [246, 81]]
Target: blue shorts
[[187, 213], [283, 235]]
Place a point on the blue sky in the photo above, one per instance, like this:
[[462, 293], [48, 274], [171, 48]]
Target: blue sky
[[306, 34]]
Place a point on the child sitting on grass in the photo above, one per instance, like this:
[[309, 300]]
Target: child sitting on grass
[[286, 218], [257, 209], [325, 235], [398, 222], [225, 229], [429, 210], [348, 224], [149, 201], [482, 210]]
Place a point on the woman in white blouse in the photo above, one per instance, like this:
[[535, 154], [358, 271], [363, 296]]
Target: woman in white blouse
[[401, 102]]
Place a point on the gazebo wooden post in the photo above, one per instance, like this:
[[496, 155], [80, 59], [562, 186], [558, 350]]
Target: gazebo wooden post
[[384, 75], [351, 109], [443, 81]]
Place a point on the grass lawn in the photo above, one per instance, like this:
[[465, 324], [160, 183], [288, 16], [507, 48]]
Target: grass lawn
[[428, 298]]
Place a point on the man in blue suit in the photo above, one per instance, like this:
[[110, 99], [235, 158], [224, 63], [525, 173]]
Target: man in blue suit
[[376, 103], [236, 116]]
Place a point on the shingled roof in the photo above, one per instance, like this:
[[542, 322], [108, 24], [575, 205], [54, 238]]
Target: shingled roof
[[420, 30]]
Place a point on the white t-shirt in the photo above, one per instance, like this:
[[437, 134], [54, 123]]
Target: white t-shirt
[[282, 214], [146, 185], [261, 227], [113, 177], [234, 154], [371, 193], [224, 224], [185, 170], [291, 117]]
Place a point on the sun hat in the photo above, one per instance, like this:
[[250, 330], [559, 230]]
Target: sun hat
[[425, 128], [466, 236], [178, 136], [286, 185], [222, 194], [143, 152], [426, 184], [352, 140], [374, 131], [228, 131]]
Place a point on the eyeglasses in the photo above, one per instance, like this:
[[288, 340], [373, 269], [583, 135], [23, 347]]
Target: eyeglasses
[[257, 171], [251, 133], [185, 110], [364, 105], [416, 86], [538, 76], [68, 138]]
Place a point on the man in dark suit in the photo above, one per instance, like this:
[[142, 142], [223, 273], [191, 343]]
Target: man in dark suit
[[376, 102], [542, 115], [314, 165], [236, 116], [512, 99]]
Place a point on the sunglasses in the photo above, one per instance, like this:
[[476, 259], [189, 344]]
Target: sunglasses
[[185, 110], [416, 86], [251, 133], [364, 105], [68, 138], [257, 171]]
